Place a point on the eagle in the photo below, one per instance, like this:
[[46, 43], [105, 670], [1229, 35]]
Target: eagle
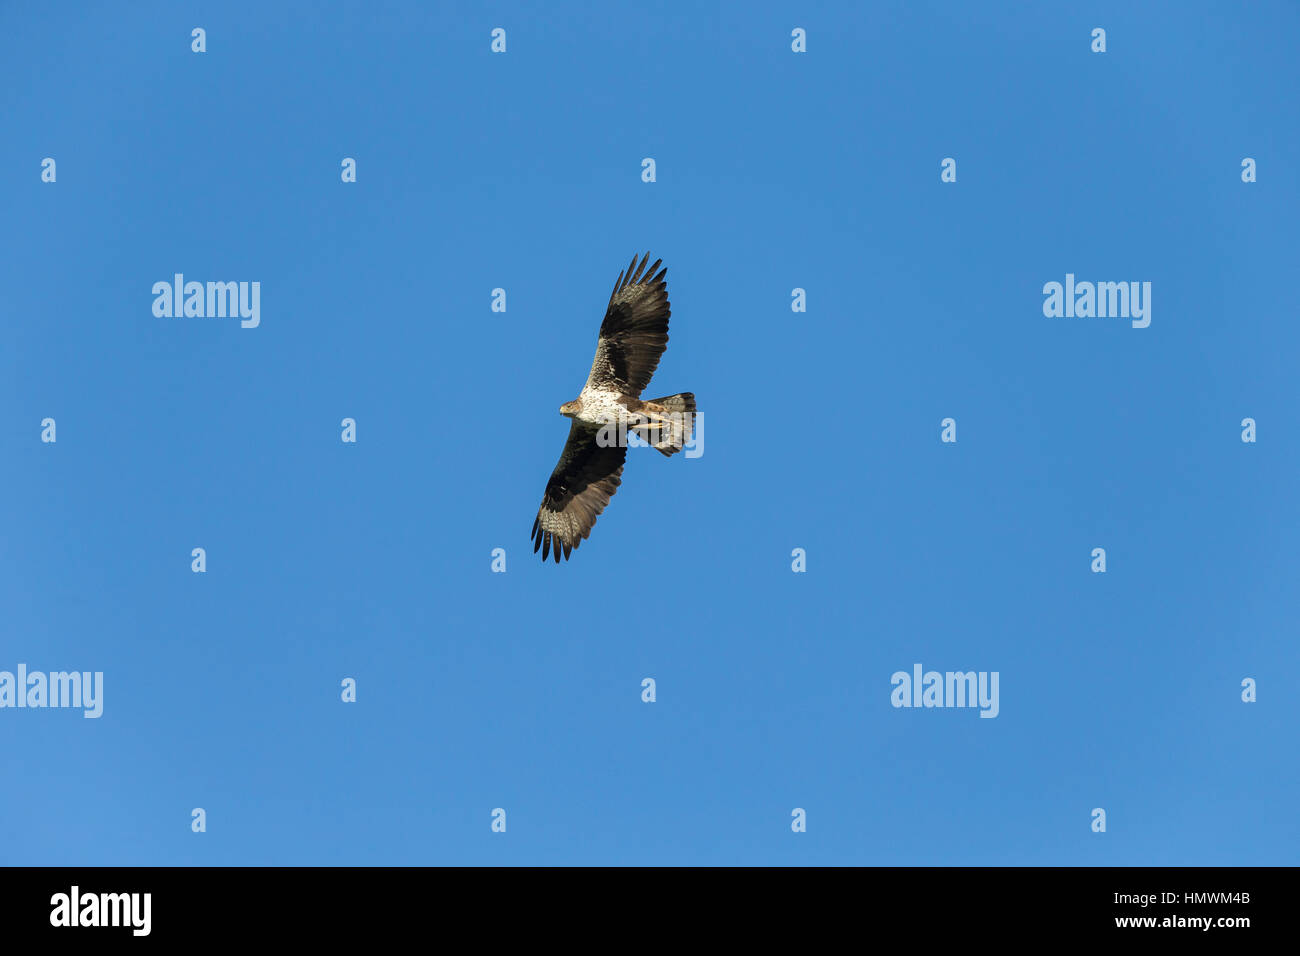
[[632, 337]]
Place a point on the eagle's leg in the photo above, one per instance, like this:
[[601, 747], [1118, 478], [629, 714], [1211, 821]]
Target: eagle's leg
[[650, 417]]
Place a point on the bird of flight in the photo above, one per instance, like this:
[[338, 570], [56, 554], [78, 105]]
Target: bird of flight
[[632, 337]]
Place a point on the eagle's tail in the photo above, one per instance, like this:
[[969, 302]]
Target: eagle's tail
[[672, 431]]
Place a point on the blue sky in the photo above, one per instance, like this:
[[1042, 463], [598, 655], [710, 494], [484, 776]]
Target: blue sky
[[522, 690]]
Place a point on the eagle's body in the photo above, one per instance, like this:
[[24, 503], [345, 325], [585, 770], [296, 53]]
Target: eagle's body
[[632, 337], [596, 406]]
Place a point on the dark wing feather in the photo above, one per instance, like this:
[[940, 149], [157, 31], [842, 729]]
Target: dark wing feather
[[579, 488], [634, 333]]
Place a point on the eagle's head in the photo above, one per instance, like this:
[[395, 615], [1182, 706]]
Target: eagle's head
[[569, 409]]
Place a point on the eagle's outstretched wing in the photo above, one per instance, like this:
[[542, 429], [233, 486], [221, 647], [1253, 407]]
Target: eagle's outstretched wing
[[579, 488], [635, 331]]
